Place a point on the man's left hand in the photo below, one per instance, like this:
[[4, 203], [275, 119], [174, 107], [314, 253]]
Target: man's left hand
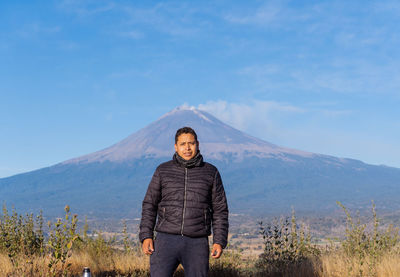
[[216, 251]]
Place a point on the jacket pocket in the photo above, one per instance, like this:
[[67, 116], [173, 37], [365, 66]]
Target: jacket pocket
[[207, 220], [162, 216]]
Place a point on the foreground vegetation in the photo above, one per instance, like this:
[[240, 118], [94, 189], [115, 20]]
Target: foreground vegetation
[[28, 247]]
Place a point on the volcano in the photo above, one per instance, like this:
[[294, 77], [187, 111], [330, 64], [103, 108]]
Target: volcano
[[259, 177], [217, 140]]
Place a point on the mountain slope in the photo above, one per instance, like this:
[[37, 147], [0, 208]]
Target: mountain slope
[[259, 177], [157, 139]]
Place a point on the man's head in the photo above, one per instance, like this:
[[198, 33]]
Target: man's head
[[186, 143]]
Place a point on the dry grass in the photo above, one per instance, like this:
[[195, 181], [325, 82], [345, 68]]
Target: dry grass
[[36, 266], [331, 264], [6, 266], [118, 263], [389, 267], [338, 265]]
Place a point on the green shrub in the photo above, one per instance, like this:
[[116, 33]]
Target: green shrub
[[368, 245], [21, 235], [285, 246], [62, 236]]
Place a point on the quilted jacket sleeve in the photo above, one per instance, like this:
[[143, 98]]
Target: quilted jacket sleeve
[[220, 212], [149, 207]]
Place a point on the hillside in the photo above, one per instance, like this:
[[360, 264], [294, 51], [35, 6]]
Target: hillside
[[259, 177]]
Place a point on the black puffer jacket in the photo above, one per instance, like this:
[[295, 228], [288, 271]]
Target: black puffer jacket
[[187, 200]]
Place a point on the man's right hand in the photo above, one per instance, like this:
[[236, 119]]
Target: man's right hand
[[147, 246]]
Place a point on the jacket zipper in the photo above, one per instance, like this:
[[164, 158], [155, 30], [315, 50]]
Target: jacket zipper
[[184, 203]]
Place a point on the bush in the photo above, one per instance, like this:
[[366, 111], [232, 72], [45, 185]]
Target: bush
[[21, 235], [285, 246], [368, 245], [61, 239]]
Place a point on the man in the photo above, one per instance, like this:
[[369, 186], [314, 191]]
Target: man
[[186, 196]]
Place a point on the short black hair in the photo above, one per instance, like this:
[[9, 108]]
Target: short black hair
[[185, 130]]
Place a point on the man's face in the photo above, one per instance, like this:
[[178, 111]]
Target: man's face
[[186, 146]]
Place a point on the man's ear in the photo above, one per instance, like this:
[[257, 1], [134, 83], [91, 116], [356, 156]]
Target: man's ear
[[176, 147], [198, 144]]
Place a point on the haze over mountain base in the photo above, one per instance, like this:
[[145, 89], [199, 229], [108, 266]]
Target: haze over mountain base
[[260, 178]]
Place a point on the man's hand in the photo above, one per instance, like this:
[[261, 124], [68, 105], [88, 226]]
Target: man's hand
[[147, 246], [216, 251]]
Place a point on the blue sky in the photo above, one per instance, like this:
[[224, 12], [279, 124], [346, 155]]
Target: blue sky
[[78, 76]]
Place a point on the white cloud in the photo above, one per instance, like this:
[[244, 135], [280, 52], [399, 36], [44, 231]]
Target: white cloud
[[259, 118], [275, 15], [175, 19], [335, 113], [133, 34], [180, 19], [278, 122], [335, 75], [320, 128], [68, 45], [392, 7], [131, 73], [34, 29], [87, 8], [265, 14]]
